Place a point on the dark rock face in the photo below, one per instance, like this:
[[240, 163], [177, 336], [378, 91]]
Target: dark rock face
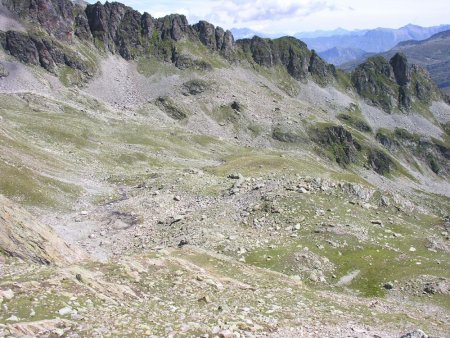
[[380, 162], [41, 51], [173, 27], [393, 85], [186, 62], [207, 34], [422, 85], [236, 106], [82, 29], [105, 22], [214, 38], [121, 29], [195, 87], [433, 153], [339, 142], [320, 70], [373, 80], [288, 52], [118, 28], [387, 142], [401, 69], [55, 16], [22, 47]]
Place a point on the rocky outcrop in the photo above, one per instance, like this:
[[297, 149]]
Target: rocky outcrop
[[82, 29], [195, 87], [432, 152], [380, 162], [395, 84], [401, 70], [373, 80], [23, 237], [169, 107], [339, 142], [290, 53], [321, 71], [3, 71], [118, 28], [41, 51], [214, 38], [55, 16], [207, 35], [105, 22], [175, 27]]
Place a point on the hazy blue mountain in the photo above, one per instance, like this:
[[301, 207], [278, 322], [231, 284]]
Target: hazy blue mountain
[[247, 33], [338, 55], [324, 33], [376, 40]]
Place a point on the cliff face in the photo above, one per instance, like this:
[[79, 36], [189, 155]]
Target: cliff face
[[54, 16], [116, 27], [42, 51], [290, 53], [395, 84]]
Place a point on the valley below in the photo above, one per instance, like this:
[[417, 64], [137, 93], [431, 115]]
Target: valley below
[[183, 184]]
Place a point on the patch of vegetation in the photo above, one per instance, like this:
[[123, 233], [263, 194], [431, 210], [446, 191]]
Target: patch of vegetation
[[225, 114], [252, 163], [433, 153], [286, 136], [446, 128], [280, 76], [340, 144], [343, 79], [149, 66], [26, 186], [355, 122], [167, 105], [200, 52], [196, 86]]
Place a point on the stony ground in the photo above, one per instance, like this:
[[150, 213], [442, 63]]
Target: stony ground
[[208, 226]]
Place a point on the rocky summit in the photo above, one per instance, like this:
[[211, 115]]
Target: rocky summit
[[160, 179]]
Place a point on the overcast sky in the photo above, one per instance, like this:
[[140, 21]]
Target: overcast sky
[[291, 16]]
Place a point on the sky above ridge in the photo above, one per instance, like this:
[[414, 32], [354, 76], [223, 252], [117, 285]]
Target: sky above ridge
[[292, 16]]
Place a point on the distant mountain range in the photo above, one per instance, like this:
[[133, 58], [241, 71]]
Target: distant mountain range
[[247, 33], [340, 46], [376, 40], [336, 32]]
